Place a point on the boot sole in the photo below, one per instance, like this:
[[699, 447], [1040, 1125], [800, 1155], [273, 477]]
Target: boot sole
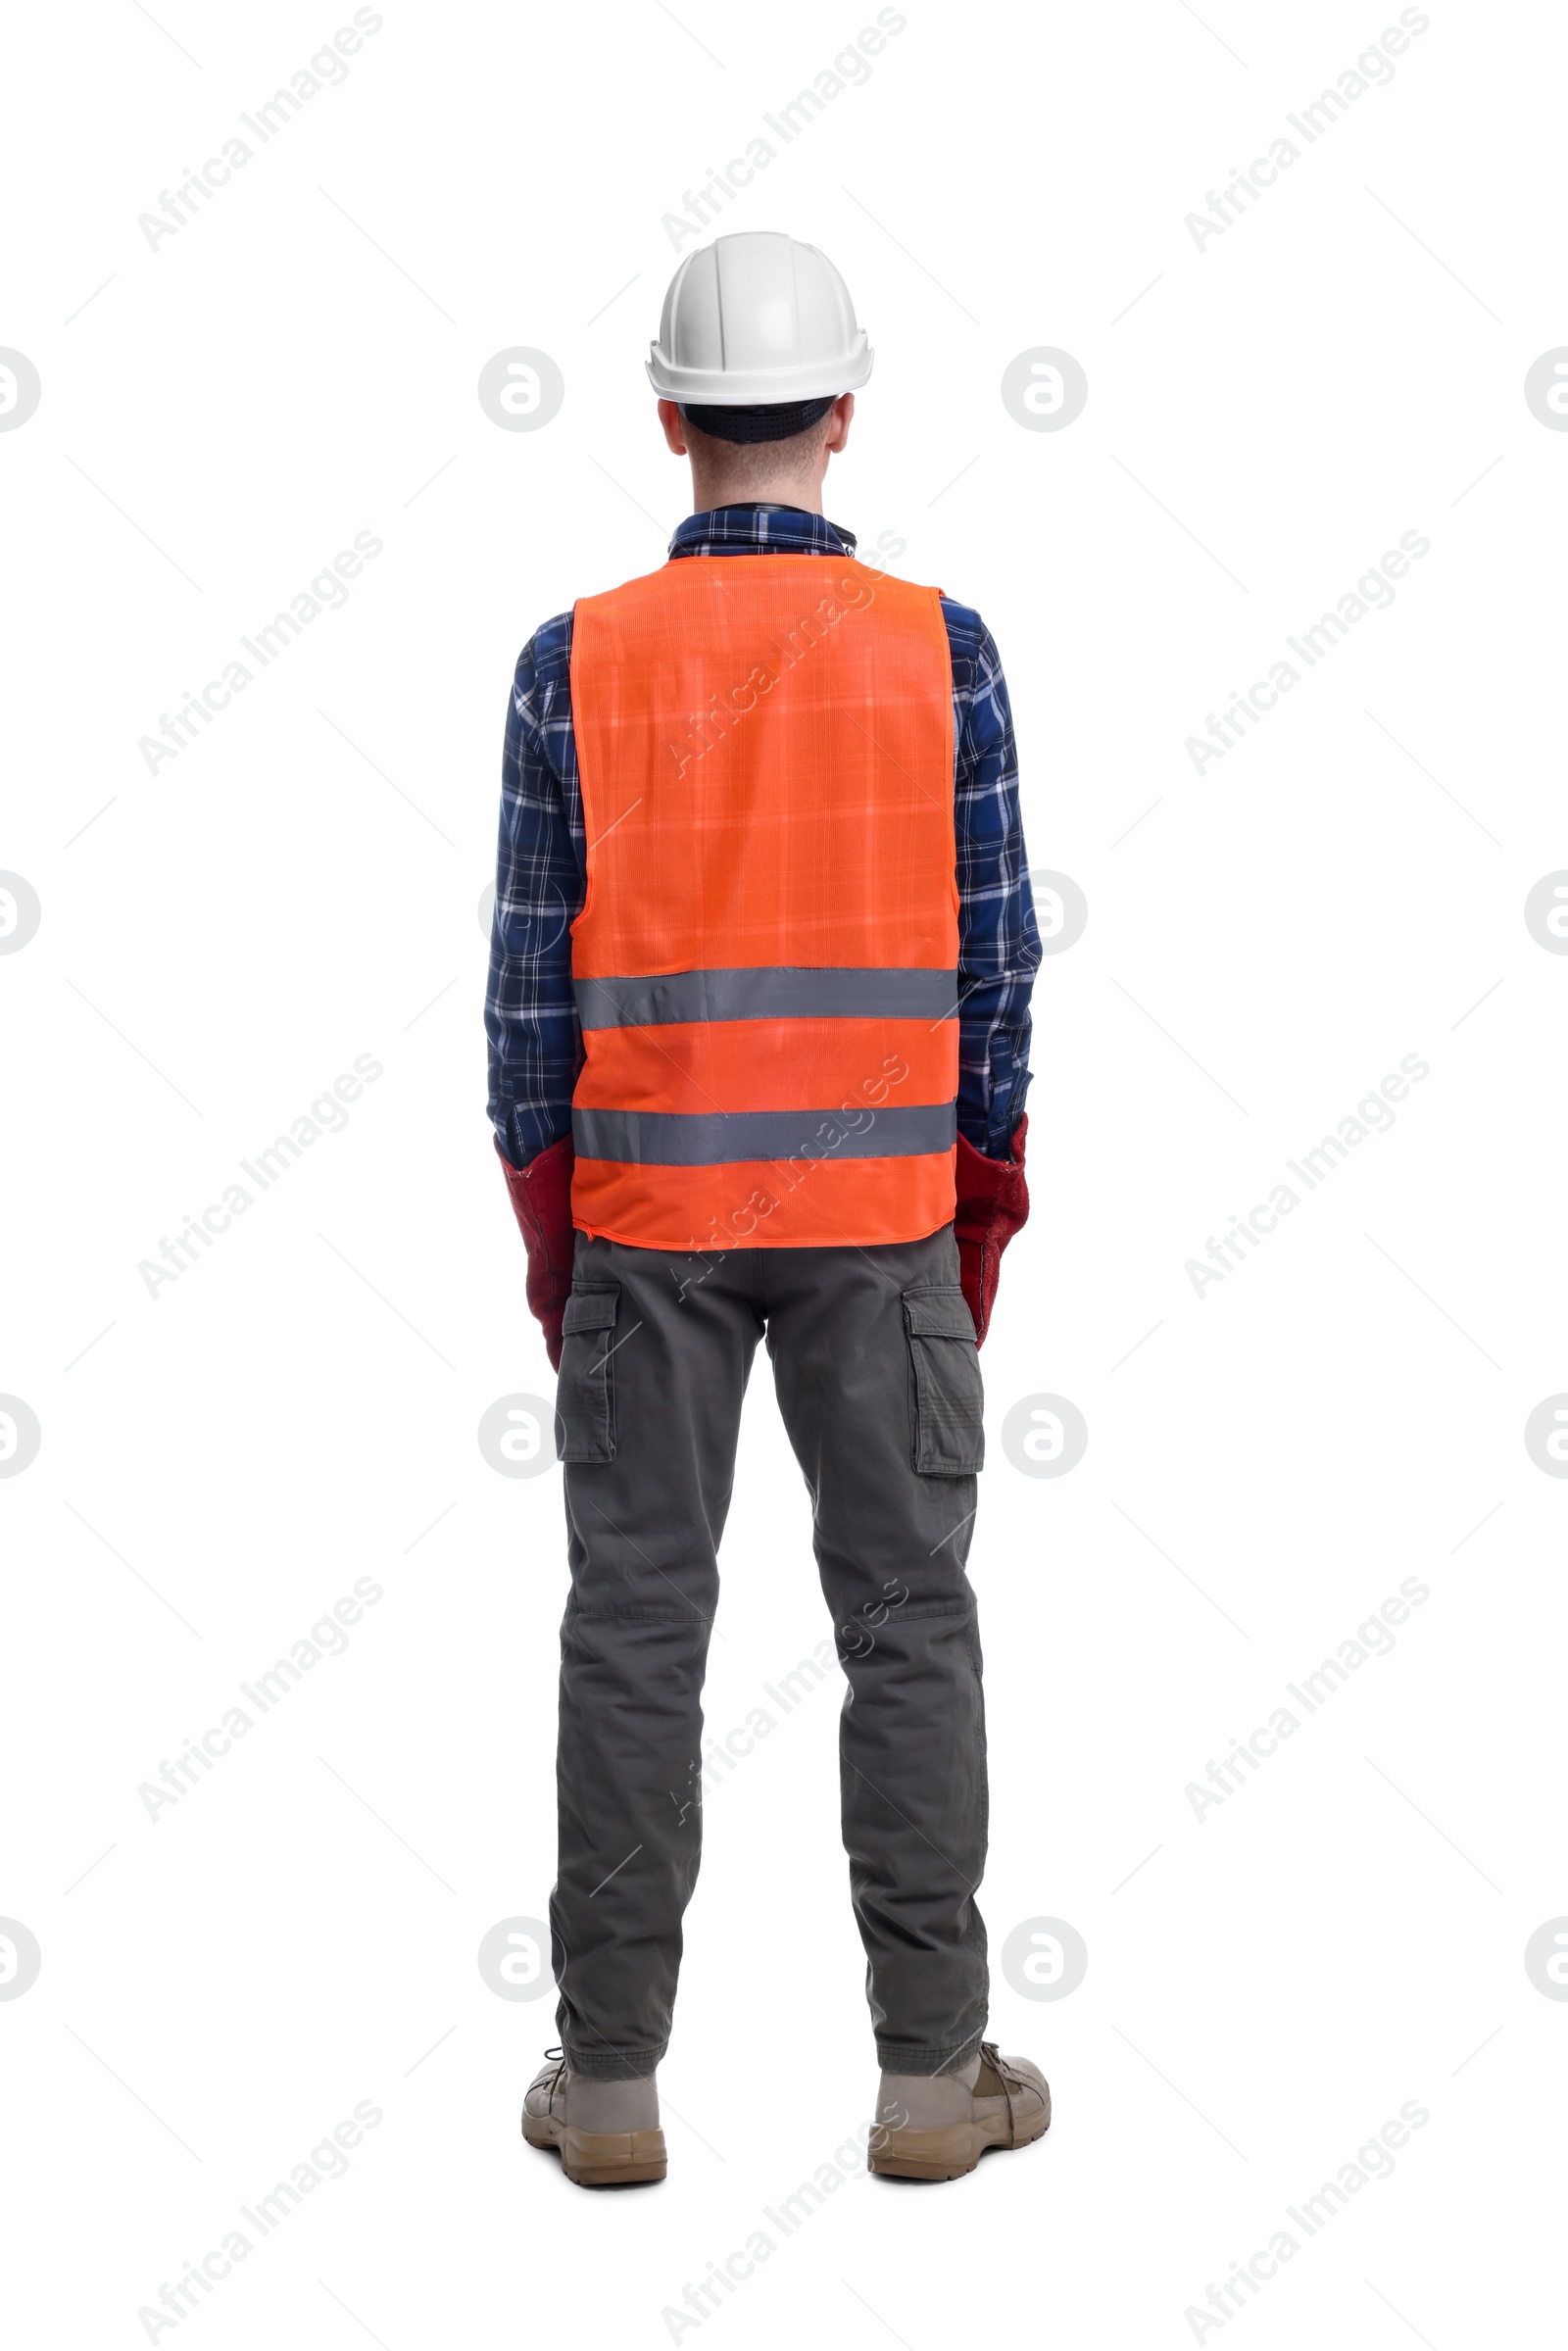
[[600, 2158], [908, 2154]]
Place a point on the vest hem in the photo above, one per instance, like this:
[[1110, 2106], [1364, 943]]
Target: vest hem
[[686, 1248]]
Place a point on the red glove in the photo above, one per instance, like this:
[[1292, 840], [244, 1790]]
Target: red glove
[[993, 1204], [541, 1196]]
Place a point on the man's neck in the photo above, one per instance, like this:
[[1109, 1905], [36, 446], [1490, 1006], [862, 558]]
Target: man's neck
[[758, 505], [806, 498]]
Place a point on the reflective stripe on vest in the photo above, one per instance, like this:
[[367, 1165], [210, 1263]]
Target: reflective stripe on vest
[[721, 1137], [765, 964], [829, 993]]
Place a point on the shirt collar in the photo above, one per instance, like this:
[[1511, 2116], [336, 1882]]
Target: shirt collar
[[760, 528]]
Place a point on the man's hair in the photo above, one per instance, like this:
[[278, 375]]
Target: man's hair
[[782, 421]]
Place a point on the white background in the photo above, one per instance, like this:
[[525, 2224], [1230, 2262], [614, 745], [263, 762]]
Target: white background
[[301, 886]]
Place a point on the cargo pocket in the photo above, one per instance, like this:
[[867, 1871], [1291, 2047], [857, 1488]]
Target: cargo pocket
[[949, 1400], [585, 1388]]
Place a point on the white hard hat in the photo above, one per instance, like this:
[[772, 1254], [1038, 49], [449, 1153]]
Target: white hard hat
[[755, 320]]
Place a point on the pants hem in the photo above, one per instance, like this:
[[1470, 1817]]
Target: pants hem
[[894, 2059], [613, 2065]]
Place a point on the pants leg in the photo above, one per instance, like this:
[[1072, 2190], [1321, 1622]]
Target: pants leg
[[654, 1368], [878, 1382]]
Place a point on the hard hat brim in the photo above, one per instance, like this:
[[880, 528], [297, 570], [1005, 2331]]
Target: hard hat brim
[[759, 387]]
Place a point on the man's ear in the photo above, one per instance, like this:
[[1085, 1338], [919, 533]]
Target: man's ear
[[839, 430], [674, 431]]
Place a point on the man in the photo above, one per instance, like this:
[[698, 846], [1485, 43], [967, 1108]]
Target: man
[[770, 1081]]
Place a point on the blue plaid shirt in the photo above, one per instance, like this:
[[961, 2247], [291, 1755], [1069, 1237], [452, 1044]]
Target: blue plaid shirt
[[540, 871]]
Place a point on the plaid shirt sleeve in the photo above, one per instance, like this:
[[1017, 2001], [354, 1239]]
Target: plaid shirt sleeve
[[998, 939], [530, 1014]]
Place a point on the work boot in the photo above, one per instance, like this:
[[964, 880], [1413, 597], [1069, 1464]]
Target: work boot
[[938, 2125], [607, 2132]]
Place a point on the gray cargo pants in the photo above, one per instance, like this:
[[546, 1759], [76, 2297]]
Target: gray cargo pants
[[878, 1382]]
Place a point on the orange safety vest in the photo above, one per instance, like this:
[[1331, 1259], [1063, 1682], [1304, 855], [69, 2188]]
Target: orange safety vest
[[765, 965]]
